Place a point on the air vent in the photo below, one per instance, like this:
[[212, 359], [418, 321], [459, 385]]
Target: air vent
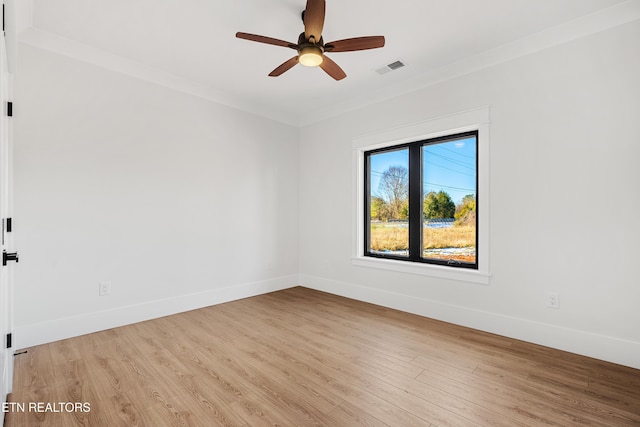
[[390, 67]]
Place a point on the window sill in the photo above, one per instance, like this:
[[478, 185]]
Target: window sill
[[461, 274]]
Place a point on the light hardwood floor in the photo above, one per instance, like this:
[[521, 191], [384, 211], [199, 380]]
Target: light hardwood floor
[[304, 358]]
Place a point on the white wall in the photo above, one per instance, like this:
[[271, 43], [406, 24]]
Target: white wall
[[178, 202], [564, 185], [182, 203]]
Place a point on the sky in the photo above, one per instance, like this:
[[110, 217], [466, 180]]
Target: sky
[[448, 166]]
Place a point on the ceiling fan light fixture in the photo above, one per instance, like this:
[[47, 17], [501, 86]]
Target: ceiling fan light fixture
[[310, 56]]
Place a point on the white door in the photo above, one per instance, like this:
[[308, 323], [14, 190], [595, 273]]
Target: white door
[[6, 271]]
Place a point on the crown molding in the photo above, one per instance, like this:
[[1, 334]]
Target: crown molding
[[604, 19], [66, 47], [596, 22]]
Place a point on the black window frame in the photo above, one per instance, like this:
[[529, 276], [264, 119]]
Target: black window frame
[[416, 193]]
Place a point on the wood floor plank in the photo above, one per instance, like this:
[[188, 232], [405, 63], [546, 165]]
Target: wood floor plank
[[305, 358], [342, 368], [257, 370], [347, 414]]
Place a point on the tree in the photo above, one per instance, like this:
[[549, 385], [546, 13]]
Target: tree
[[379, 210], [404, 211], [438, 206], [394, 186], [466, 211]]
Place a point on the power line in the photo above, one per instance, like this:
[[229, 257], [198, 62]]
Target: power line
[[433, 164], [452, 170], [455, 152], [448, 186], [456, 162]]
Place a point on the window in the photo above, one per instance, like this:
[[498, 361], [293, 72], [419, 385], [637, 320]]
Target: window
[[421, 200], [405, 223]]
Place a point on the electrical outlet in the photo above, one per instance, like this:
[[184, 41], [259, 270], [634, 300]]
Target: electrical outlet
[[104, 289], [552, 299]]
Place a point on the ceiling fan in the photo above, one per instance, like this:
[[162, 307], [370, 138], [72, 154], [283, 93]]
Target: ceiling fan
[[311, 46]]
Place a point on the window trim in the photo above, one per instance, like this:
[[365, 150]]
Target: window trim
[[465, 121], [415, 222]]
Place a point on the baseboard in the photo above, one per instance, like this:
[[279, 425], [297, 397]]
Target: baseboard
[[600, 347], [68, 327]]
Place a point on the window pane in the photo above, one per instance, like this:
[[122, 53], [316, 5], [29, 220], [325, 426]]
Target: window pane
[[389, 202], [449, 200]]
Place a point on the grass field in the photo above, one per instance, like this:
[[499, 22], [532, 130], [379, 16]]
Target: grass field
[[394, 237]]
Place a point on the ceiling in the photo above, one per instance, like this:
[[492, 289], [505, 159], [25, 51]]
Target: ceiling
[[190, 45]]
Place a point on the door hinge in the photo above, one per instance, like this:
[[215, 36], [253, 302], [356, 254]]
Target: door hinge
[[10, 109], [9, 340], [9, 256]]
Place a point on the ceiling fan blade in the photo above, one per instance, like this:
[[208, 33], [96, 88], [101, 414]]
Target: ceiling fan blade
[[332, 68], [314, 19], [267, 40], [285, 66], [356, 43]]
